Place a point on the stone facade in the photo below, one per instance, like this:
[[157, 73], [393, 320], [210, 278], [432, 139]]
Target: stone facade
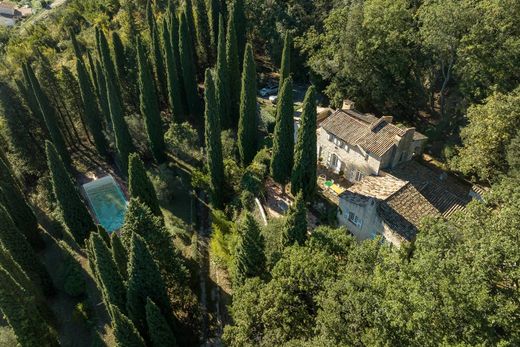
[[357, 145]]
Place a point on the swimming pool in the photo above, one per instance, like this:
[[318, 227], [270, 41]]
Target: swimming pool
[[107, 201]]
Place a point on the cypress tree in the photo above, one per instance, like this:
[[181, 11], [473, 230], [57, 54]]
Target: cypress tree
[[285, 66], [188, 68], [233, 64], [13, 268], [111, 282], [124, 330], [93, 74], [283, 141], [160, 333], [158, 59], [304, 169], [174, 92], [173, 23], [71, 206], [91, 111], [140, 186], [214, 13], [18, 208], [71, 272], [250, 255], [12, 239], [149, 107], [21, 313], [140, 220], [144, 282], [191, 32], [108, 64], [27, 90], [247, 127], [69, 94], [222, 79], [49, 116], [119, 255], [119, 55], [202, 32], [124, 143], [19, 128], [101, 92], [215, 163], [240, 24], [56, 92], [295, 225]]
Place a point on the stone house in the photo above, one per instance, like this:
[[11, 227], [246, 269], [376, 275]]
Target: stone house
[[394, 203], [356, 145]]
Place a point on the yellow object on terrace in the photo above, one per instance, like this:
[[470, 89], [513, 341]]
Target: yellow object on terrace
[[337, 189]]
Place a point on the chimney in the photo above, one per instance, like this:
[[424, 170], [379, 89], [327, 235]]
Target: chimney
[[348, 105], [388, 119]]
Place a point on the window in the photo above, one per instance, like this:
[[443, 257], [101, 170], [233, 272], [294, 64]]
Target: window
[[331, 138], [356, 175], [354, 219], [334, 161]]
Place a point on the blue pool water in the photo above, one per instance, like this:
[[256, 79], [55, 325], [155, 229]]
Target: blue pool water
[[107, 201]]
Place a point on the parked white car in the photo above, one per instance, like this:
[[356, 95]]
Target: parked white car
[[273, 98]]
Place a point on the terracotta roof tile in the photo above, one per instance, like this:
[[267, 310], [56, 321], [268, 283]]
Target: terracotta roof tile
[[374, 135]]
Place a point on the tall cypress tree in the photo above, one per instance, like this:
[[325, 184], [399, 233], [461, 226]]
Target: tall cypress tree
[[173, 23], [283, 142], [188, 68], [124, 143], [108, 64], [92, 68], [295, 226], [71, 206], [250, 254], [70, 272], [119, 55], [305, 161], [222, 79], [124, 330], [285, 66], [214, 13], [12, 239], [111, 282], [240, 24], [233, 64], [91, 111], [140, 220], [27, 91], [15, 270], [119, 255], [202, 32], [18, 207], [49, 115], [247, 124], [215, 163], [174, 92], [156, 51], [22, 131], [149, 107], [160, 332], [144, 282], [140, 186], [190, 22], [22, 314], [101, 92]]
